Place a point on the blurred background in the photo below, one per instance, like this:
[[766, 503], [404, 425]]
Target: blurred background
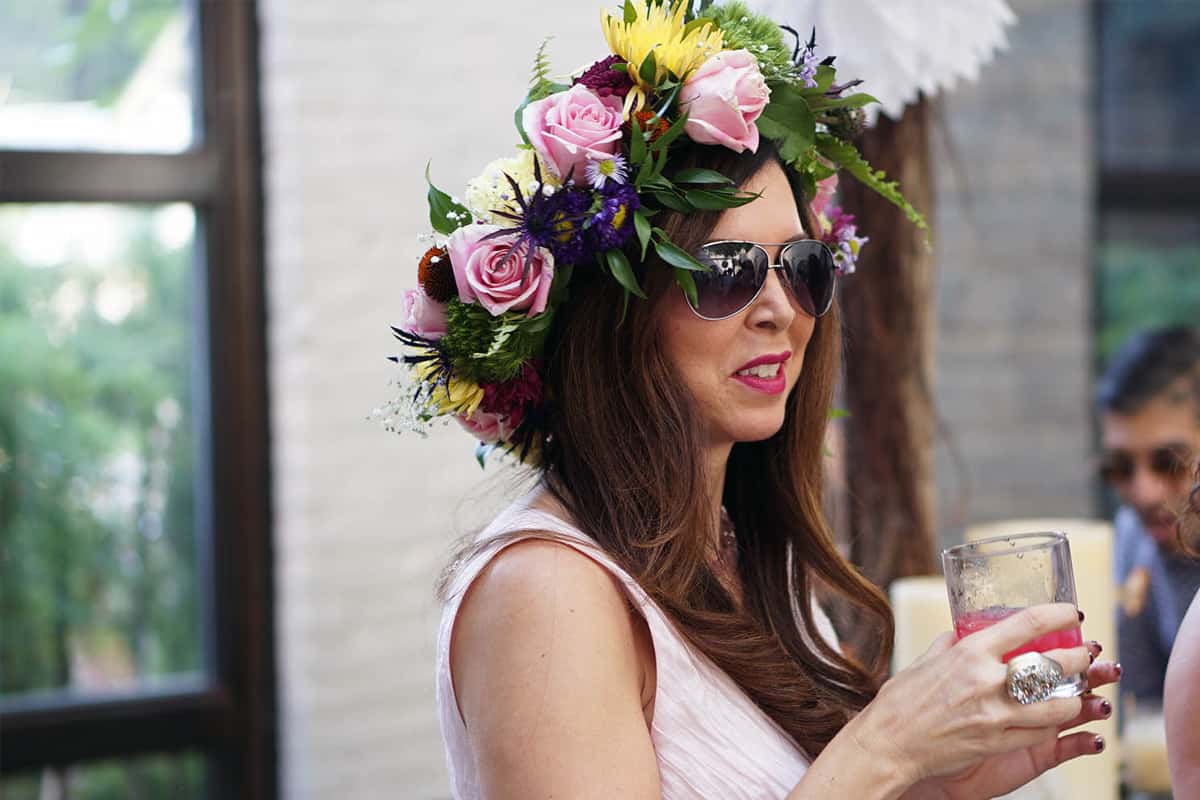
[[216, 571]]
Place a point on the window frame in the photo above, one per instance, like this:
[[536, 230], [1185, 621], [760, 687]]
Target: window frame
[[232, 718]]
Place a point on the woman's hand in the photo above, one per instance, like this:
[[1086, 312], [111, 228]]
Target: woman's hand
[[949, 718], [1001, 774]]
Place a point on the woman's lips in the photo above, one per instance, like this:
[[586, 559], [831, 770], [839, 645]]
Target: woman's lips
[[765, 385]]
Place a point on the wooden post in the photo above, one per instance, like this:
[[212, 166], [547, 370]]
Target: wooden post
[[889, 312]]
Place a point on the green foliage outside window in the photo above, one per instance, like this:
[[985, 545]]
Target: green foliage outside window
[[98, 568], [1142, 286]]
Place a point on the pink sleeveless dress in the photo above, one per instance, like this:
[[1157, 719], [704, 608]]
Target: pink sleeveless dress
[[710, 739]]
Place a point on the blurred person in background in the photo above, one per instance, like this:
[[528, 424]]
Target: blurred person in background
[[1149, 400]]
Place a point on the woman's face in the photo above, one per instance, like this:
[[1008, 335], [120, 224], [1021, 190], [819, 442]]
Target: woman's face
[[773, 331]]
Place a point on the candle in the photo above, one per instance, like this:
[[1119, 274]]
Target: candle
[[922, 612], [1094, 777]]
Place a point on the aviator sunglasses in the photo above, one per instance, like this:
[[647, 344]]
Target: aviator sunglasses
[[1166, 463], [737, 272]]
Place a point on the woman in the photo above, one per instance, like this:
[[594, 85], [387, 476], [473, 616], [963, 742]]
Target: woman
[[643, 623], [1181, 692]]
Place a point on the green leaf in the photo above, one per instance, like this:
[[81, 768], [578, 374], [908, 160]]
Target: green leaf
[[648, 72], [671, 134], [637, 142], [645, 171], [673, 88], [697, 175], [674, 255], [482, 451], [620, 66], [619, 266], [845, 154], [659, 183], [694, 24], [441, 206], [717, 201], [517, 120], [685, 281], [641, 222], [673, 201], [824, 77], [630, 12], [660, 161], [857, 100], [789, 122]]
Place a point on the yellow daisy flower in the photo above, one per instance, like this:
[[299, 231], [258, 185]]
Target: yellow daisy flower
[[678, 48]]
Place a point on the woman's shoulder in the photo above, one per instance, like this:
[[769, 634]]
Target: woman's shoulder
[[537, 585], [1182, 705], [544, 627]]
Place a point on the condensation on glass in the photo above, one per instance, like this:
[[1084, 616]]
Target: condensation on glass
[[115, 76]]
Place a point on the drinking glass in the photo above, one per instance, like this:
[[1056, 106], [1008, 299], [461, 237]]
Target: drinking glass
[[990, 579]]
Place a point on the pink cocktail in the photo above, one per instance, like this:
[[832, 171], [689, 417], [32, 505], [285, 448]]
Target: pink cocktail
[[990, 579], [974, 621]]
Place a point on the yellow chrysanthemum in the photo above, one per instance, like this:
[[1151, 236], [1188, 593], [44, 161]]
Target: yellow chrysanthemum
[[459, 396], [678, 48]]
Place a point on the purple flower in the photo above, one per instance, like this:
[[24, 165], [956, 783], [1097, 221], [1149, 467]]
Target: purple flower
[[808, 64], [602, 79], [552, 218], [841, 234], [613, 224]]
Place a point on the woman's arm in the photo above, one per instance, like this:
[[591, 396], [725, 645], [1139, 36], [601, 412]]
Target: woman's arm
[[1181, 706], [546, 670]]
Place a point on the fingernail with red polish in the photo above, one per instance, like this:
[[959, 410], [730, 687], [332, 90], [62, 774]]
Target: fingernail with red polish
[[1098, 744], [1117, 669], [1106, 708]]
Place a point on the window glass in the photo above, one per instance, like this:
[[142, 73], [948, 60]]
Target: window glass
[[110, 75], [99, 462]]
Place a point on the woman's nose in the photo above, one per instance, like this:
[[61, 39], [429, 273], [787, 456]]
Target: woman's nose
[[774, 304]]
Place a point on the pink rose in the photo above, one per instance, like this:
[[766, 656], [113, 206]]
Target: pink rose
[[491, 273], [568, 128], [423, 316], [486, 426], [723, 98], [825, 191]]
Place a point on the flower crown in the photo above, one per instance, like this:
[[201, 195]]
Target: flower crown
[[582, 190]]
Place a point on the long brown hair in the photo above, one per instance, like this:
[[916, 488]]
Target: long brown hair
[[623, 452]]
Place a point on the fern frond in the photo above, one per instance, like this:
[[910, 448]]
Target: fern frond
[[540, 84], [848, 158]]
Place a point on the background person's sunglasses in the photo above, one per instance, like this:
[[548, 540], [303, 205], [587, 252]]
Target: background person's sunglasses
[[1167, 463], [738, 271]]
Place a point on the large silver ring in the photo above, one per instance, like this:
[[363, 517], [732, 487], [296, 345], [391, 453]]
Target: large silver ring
[[1033, 677]]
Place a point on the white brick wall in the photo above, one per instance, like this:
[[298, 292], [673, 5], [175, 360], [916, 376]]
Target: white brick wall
[[357, 95]]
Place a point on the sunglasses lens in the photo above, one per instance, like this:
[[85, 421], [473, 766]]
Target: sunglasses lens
[[810, 270], [1168, 462], [736, 271], [1116, 468]]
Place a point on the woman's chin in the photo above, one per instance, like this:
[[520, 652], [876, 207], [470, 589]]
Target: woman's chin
[[755, 427]]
